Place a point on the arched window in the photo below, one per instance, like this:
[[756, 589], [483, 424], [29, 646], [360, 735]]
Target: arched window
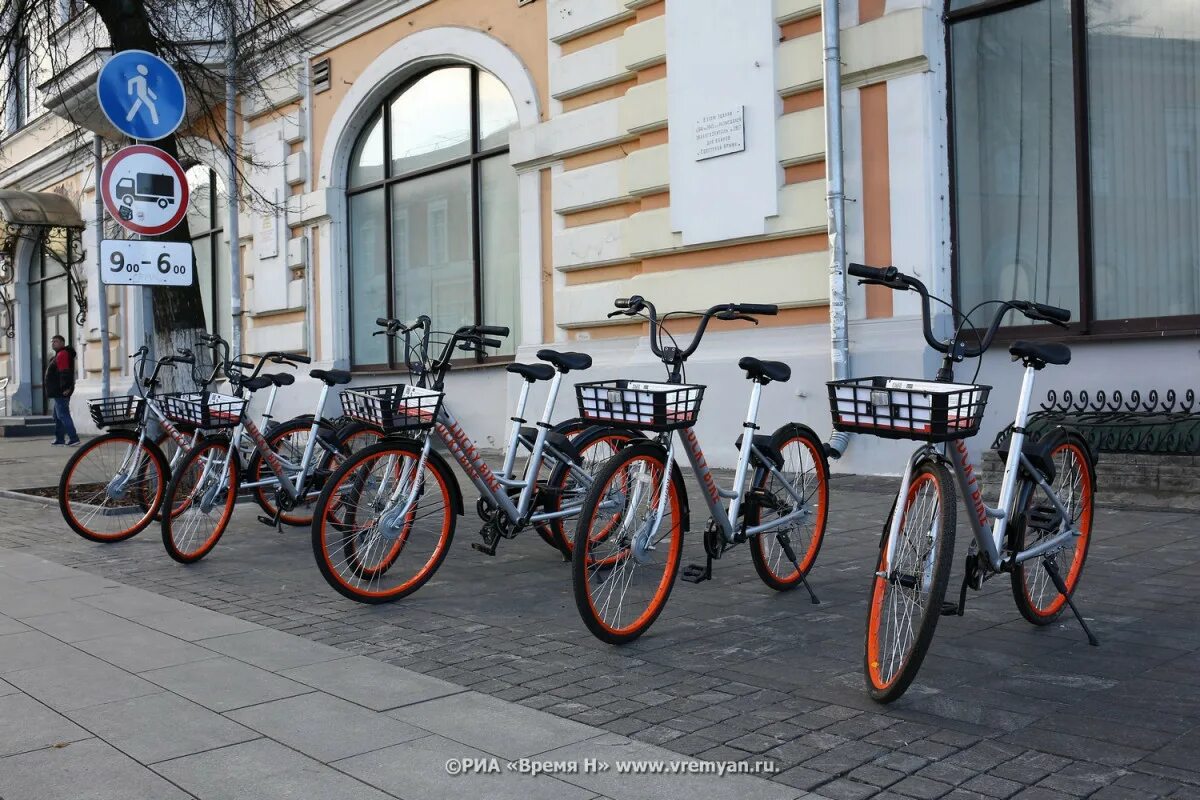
[[433, 211], [206, 223]]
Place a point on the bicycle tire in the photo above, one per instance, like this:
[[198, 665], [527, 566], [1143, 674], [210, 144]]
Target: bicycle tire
[[181, 494], [148, 497], [592, 569], [768, 562], [888, 685], [343, 569], [585, 442], [1036, 597], [323, 460]]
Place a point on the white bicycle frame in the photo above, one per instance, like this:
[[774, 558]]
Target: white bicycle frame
[[989, 536]]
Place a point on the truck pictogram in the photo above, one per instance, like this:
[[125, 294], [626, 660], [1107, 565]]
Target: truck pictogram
[[147, 187]]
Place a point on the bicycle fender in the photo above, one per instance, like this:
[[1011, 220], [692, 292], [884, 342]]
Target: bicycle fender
[[451, 480], [677, 476]]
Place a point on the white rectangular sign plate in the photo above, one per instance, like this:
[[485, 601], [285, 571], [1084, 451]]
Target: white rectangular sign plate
[[137, 262], [720, 133]]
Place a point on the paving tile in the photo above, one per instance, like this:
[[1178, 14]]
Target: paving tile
[[371, 683], [324, 727], [87, 770], [79, 682], [160, 726], [493, 726], [416, 770], [29, 725], [272, 650], [9, 625], [29, 601], [223, 684], [263, 770], [144, 649], [80, 624]]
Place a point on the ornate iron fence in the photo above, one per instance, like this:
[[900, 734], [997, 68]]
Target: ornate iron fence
[[1112, 422]]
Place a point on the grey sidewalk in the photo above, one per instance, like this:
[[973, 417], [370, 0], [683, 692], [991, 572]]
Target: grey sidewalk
[[108, 691]]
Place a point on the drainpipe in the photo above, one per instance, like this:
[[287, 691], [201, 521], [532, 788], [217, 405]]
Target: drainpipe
[[235, 243], [836, 205], [105, 344]]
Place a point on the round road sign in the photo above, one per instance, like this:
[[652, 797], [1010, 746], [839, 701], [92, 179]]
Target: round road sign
[[144, 189], [141, 95]]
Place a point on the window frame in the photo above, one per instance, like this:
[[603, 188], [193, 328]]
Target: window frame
[[214, 234], [1086, 326], [473, 159], [18, 106]]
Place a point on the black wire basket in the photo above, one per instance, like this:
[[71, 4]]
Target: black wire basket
[[204, 410], [393, 408], [641, 405], [903, 408], [115, 412]]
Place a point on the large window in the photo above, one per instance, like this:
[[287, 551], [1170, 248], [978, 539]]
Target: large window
[[54, 310], [433, 211], [1076, 158], [17, 105], [206, 215]]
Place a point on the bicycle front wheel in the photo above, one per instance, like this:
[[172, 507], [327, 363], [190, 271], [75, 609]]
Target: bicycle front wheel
[[201, 496], [384, 522], [1038, 600], [906, 594], [628, 544], [800, 490], [112, 487]]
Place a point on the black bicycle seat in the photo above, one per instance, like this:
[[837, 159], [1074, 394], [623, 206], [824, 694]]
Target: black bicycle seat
[[281, 378], [331, 377], [565, 362], [532, 372], [1041, 353], [765, 371], [254, 384]]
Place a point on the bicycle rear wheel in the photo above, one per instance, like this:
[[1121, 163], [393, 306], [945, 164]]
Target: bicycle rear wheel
[[806, 472], [112, 487], [1038, 600], [201, 496], [906, 595], [384, 523], [624, 566], [566, 486]]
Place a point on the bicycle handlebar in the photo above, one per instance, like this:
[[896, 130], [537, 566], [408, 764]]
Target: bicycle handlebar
[[896, 280], [635, 304]]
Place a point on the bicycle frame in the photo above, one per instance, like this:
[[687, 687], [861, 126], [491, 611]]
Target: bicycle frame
[[989, 536]]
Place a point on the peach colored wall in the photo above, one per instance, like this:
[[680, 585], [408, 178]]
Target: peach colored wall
[[522, 30]]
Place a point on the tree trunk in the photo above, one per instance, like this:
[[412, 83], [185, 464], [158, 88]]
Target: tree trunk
[[178, 310]]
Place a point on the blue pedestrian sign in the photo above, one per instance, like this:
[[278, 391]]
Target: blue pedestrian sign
[[141, 95]]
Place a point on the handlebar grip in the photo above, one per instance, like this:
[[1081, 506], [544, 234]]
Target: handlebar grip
[[299, 359], [621, 302], [383, 322], [241, 365], [870, 273], [492, 330], [1053, 312], [491, 342], [761, 309]]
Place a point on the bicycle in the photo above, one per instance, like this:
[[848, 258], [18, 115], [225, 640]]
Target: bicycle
[[1045, 502], [204, 489], [629, 537], [113, 486], [400, 496]]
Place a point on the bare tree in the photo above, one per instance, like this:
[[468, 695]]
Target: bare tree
[[191, 35]]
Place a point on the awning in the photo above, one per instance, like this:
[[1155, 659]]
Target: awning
[[42, 209]]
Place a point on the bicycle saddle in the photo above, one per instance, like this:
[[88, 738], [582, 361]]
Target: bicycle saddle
[[765, 371], [281, 378], [565, 362], [1041, 353], [331, 377], [254, 384], [532, 372]]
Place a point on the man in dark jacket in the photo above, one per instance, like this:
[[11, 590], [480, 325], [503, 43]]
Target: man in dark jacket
[[60, 385]]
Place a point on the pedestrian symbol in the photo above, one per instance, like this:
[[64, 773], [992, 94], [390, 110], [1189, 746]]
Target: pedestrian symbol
[[141, 95]]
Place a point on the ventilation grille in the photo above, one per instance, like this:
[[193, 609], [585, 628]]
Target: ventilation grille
[[320, 75]]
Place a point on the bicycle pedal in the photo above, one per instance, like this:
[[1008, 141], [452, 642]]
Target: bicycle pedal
[[695, 573], [486, 549], [949, 609]]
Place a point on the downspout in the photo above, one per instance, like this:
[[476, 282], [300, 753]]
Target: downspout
[[105, 343], [235, 243], [836, 205]]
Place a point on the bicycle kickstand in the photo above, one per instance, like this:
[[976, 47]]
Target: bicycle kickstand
[[273, 521], [786, 543], [694, 573], [1056, 578]]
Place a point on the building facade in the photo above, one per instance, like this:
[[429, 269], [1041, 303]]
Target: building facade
[[526, 162]]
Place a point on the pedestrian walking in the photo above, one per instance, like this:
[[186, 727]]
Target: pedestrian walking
[[60, 385]]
